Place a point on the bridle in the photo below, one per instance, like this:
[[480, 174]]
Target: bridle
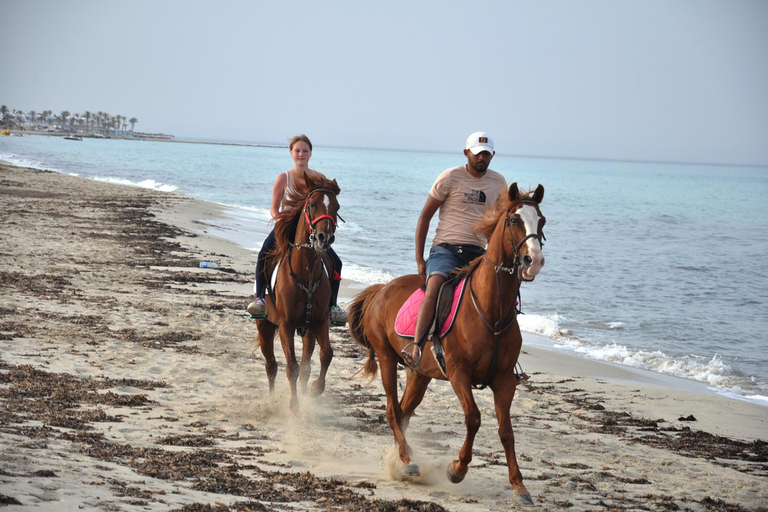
[[517, 264], [310, 244], [312, 223], [516, 269]]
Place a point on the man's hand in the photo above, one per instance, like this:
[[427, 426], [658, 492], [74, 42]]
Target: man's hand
[[421, 265]]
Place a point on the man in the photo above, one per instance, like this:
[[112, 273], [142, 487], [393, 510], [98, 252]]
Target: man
[[462, 194]]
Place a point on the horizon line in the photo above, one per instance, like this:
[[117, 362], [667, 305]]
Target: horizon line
[[513, 155]]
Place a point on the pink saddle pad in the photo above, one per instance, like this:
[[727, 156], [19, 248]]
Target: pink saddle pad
[[405, 322]]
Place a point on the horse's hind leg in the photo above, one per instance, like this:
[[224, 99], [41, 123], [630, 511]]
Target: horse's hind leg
[[388, 369], [415, 388], [266, 340], [305, 368], [502, 398], [461, 383], [326, 355]]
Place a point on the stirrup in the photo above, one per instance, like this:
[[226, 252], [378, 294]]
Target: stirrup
[[408, 359], [257, 316]]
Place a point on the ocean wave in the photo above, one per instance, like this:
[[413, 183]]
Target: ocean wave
[[366, 275], [150, 184], [14, 160], [713, 371]]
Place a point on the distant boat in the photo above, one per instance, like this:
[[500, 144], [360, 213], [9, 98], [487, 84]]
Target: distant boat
[[72, 137]]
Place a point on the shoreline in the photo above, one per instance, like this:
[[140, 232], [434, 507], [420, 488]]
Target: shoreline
[[130, 382]]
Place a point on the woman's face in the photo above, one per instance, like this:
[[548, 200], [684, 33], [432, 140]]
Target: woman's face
[[301, 153]]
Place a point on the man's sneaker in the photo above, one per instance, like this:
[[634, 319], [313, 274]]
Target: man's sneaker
[[257, 308], [338, 315]]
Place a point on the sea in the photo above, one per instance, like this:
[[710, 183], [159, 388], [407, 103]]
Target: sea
[[656, 266]]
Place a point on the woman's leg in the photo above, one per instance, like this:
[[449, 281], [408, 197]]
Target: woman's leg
[[336, 278], [261, 278]]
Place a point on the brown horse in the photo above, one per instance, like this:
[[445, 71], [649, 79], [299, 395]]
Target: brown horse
[[483, 346], [300, 300]]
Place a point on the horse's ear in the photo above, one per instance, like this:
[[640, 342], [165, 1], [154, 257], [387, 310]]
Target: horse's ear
[[513, 192], [336, 185], [538, 195]]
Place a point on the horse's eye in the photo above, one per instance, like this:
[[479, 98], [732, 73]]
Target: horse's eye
[[514, 222]]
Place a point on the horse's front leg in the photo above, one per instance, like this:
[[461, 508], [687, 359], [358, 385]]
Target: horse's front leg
[[305, 368], [462, 386], [502, 398], [266, 340], [291, 366], [326, 355]]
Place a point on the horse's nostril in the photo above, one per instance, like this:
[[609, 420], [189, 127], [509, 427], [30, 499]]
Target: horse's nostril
[[332, 239], [527, 260]]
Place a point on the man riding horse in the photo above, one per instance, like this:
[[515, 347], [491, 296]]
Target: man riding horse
[[462, 194]]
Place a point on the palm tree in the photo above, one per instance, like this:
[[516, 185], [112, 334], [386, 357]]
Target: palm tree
[[133, 122], [63, 117], [3, 113], [87, 116]]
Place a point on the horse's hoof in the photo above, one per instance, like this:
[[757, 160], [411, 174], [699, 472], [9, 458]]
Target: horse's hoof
[[522, 500], [452, 476], [411, 470], [316, 389]]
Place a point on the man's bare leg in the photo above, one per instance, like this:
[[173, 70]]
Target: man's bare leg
[[412, 352]]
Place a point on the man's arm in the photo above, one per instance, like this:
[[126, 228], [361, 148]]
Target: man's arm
[[422, 228]]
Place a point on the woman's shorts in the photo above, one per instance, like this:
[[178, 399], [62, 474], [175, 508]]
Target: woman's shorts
[[442, 261]]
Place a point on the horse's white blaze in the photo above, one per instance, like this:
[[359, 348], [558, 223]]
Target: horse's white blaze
[[530, 218], [327, 203]]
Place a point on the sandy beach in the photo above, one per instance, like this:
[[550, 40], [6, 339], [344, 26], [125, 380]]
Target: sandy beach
[[130, 381]]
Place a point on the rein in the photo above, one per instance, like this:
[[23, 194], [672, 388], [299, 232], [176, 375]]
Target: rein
[[310, 289], [515, 270]]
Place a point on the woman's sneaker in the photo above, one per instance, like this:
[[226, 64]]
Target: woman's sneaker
[[257, 308], [338, 315]]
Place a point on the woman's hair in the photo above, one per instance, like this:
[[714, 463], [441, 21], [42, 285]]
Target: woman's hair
[[296, 138]]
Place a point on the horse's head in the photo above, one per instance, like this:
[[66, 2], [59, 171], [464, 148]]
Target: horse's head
[[321, 212], [524, 224]]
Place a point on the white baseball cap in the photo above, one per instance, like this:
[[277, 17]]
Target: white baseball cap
[[479, 142]]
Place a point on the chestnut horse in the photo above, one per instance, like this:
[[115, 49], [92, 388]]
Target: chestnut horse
[[482, 347], [300, 300]]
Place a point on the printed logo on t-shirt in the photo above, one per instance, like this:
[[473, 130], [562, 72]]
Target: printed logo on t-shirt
[[474, 197]]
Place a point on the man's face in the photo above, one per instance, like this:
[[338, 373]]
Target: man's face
[[479, 162]]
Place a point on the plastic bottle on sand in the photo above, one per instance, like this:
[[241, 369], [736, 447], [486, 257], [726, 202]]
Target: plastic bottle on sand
[[209, 264]]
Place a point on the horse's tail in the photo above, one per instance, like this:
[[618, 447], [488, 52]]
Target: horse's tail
[[357, 311]]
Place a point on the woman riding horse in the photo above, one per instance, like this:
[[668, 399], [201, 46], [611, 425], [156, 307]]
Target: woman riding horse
[[300, 299]]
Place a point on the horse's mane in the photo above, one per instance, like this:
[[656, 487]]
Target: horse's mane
[[487, 225], [293, 208]]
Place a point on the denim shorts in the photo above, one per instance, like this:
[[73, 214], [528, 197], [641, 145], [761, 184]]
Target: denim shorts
[[441, 261]]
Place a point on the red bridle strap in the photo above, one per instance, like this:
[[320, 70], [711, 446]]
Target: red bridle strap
[[310, 222]]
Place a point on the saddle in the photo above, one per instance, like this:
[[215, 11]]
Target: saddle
[[448, 301]]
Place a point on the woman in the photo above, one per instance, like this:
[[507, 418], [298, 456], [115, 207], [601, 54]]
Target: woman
[[301, 152]]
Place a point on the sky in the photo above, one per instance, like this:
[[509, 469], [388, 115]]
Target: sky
[[671, 80]]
